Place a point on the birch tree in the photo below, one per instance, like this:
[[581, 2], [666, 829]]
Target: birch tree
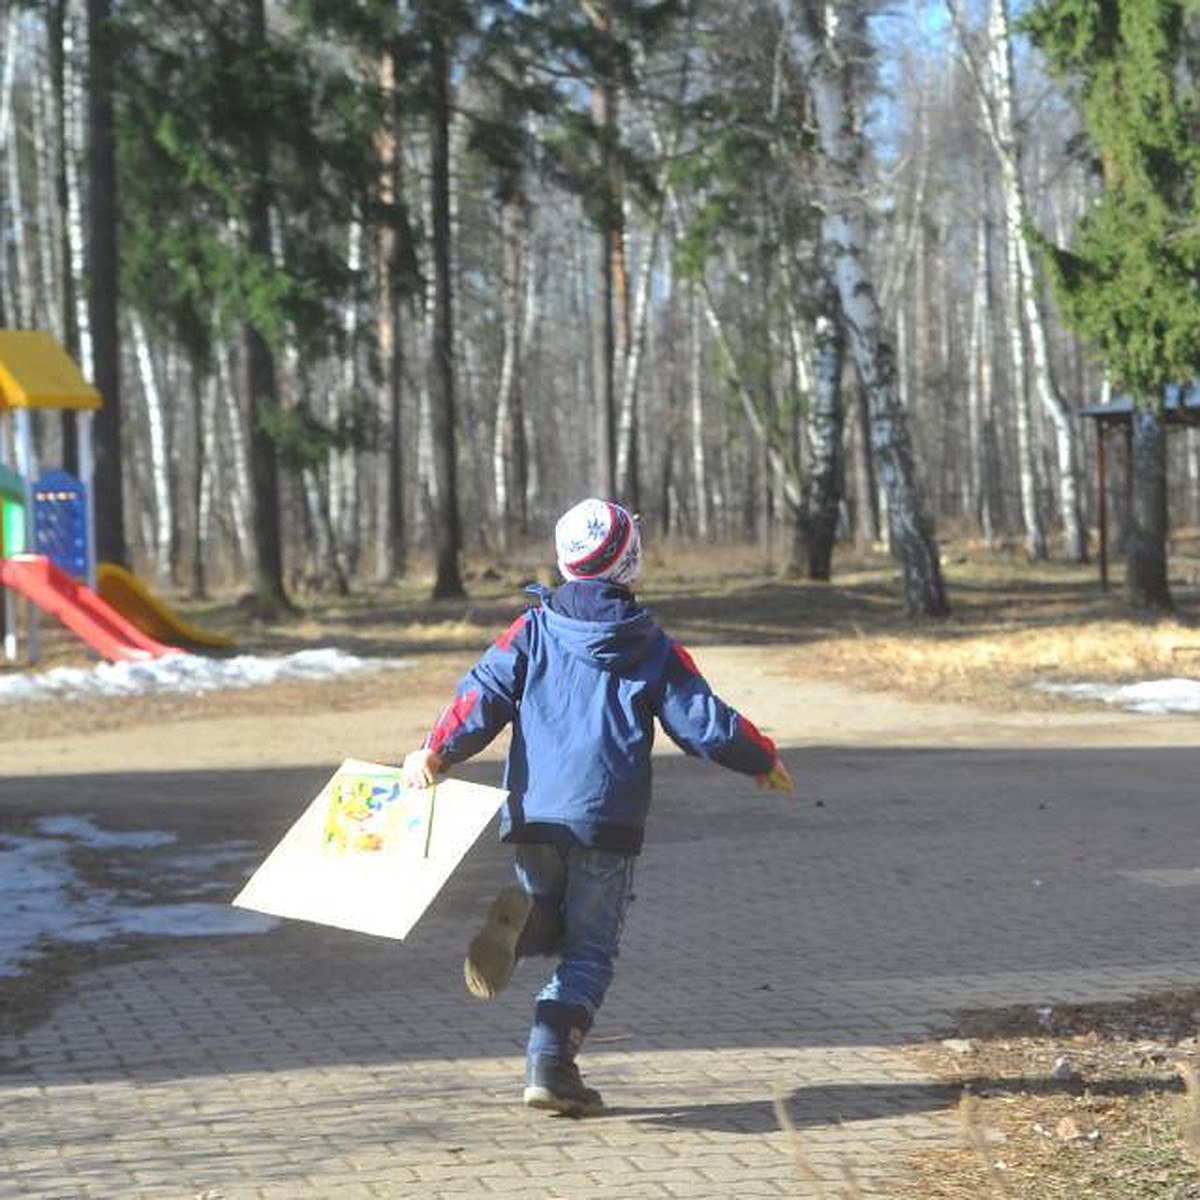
[[829, 39], [995, 92], [824, 479]]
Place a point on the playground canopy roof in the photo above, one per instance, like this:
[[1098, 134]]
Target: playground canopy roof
[[1181, 406], [36, 372]]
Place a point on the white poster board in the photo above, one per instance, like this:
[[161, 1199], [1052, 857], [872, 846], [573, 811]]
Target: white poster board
[[370, 854]]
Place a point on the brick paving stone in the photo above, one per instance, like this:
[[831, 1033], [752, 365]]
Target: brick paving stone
[[774, 949]]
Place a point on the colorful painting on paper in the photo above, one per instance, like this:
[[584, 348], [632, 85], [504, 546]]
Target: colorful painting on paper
[[369, 854], [370, 813]]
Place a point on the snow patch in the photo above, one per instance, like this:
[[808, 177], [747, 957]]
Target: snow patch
[[1155, 696], [44, 899], [84, 830], [186, 673]]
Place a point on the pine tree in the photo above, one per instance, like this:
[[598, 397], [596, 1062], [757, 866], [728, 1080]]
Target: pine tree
[[1128, 284], [240, 156]]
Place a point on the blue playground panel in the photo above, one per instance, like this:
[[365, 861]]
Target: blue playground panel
[[60, 522]]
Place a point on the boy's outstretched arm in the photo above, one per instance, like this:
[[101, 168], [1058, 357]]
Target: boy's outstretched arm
[[701, 723]]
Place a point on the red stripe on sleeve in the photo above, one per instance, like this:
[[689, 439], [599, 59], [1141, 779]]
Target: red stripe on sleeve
[[505, 640], [684, 657], [750, 730], [452, 720]]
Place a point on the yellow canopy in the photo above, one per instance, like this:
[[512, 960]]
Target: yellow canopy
[[36, 372]]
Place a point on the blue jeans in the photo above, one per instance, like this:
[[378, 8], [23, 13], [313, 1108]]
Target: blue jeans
[[580, 897]]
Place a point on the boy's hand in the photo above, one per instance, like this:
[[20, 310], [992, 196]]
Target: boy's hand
[[777, 779], [420, 767]]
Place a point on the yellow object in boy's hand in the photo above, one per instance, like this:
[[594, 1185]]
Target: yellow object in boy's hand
[[777, 779]]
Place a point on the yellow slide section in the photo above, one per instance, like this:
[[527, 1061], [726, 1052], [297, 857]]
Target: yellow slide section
[[133, 600]]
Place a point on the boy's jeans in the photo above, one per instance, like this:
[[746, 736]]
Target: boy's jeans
[[580, 897]]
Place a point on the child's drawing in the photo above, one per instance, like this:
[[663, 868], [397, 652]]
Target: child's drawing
[[369, 853]]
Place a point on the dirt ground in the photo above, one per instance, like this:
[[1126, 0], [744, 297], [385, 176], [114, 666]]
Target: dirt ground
[[971, 678]]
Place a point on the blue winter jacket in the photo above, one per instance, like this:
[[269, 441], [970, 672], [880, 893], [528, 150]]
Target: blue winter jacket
[[582, 677]]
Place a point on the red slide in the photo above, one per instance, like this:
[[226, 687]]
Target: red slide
[[79, 609]]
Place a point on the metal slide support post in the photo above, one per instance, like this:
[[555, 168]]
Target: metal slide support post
[[25, 468], [86, 477], [10, 607]]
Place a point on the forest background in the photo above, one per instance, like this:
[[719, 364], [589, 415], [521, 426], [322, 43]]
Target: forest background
[[362, 281]]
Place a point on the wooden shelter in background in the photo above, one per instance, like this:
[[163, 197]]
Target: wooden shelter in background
[[1181, 409]]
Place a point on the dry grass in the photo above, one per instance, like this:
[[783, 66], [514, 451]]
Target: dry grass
[[1013, 625], [1000, 666], [806, 1173], [1098, 1102]]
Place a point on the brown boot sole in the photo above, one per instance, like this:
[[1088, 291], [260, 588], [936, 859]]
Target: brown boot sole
[[493, 951], [543, 1098]]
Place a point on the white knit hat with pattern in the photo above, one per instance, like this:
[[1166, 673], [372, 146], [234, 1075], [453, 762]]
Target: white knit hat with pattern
[[598, 540]]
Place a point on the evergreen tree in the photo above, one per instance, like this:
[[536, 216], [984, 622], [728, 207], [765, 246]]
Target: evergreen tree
[[241, 152], [1128, 284]]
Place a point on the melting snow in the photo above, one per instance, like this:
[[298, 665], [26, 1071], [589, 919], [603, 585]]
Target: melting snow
[[190, 673], [42, 896], [1154, 696]]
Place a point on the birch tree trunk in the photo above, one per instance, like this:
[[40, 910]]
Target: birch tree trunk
[[345, 474], [1035, 534], [628, 481], [995, 90], [395, 265], [44, 218], [827, 51], [700, 487], [60, 50], [234, 456], [160, 453], [979, 500], [11, 224], [823, 482], [509, 452]]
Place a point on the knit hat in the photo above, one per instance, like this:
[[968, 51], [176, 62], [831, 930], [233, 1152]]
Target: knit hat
[[598, 540]]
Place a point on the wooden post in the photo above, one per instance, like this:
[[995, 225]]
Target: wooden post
[[1102, 501]]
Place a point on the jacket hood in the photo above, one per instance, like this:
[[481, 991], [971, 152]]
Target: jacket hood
[[600, 622]]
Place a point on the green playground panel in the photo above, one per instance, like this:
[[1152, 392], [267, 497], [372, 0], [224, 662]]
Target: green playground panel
[[12, 512]]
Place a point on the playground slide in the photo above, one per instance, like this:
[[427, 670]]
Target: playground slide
[[134, 601], [79, 609]]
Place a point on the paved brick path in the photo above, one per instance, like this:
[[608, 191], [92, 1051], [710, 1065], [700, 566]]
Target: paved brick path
[[772, 949]]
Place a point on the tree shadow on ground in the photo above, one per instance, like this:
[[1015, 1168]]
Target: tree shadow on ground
[[823, 1105]]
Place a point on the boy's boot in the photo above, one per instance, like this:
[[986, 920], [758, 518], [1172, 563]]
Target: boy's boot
[[552, 1080], [493, 951]]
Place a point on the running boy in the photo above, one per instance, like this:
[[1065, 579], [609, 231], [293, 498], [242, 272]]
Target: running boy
[[581, 678]]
